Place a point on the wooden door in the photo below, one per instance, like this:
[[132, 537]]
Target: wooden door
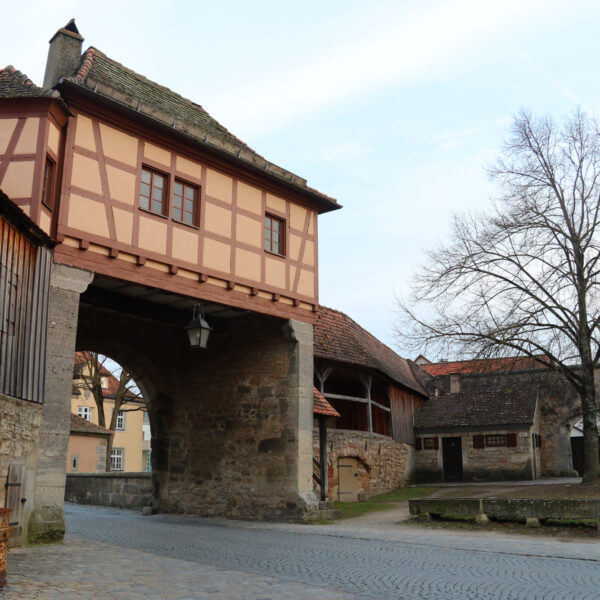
[[452, 456], [15, 499], [348, 480]]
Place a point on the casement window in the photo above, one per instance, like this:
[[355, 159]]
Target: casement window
[[186, 204], [496, 440], [274, 235], [85, 412], [117, 459], [428, 443], [120, 424], [154, 192], [48, 183]]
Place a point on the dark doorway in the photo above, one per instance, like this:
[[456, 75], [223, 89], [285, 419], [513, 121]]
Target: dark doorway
[[452, 453], [577, 454]]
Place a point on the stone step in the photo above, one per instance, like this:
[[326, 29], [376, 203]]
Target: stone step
[[330, 514], [326, 505]]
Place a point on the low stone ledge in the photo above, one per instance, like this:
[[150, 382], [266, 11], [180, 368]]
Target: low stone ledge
[[121, 490], [509, 509]]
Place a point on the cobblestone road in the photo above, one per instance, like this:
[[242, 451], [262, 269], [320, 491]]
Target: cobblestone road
[[167, 556]]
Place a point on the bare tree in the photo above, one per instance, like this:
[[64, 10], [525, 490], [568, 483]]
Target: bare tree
[[523, 277], [91, 369]]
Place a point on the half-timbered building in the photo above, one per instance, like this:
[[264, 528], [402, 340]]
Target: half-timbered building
[[162, 218]]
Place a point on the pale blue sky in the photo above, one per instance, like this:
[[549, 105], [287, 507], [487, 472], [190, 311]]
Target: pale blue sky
[[393, 108]]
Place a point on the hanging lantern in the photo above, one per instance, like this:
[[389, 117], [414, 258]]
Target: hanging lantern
[[198, 329]]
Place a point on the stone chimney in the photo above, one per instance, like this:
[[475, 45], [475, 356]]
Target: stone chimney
[[64, 54]]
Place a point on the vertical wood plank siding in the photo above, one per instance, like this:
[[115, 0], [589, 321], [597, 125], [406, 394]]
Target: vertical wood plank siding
[[403, 406], [24, 285]]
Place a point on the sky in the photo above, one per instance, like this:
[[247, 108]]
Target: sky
[[393, 108]]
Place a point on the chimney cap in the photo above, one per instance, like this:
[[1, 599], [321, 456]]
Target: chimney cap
[[69, 29]]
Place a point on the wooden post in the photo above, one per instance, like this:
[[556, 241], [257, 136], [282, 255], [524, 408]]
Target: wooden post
[[323, 456], [366, 381]]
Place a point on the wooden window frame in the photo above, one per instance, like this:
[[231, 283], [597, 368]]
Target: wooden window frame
[[85, 409], [429, 443], [268, 243], [166, 192], [48, 180], [490, 442], [117, 454], [120, 422], [196, 212]]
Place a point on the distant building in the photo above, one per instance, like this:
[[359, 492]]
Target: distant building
[[131, 444]]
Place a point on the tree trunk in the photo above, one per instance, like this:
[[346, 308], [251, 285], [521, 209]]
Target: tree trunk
[[591, 471], [109, 446]]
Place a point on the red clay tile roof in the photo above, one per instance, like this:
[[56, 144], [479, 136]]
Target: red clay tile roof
[[485, 408], [520, 363], [337, 337], [112, 382], [321, 406], [80, 425], [14, 84], [110, 79]]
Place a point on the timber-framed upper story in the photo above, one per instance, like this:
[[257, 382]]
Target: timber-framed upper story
[[137, 183]]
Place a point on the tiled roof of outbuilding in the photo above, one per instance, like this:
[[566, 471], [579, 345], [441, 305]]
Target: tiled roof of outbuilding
[[14, 84], [337, 337], [321, 406], [81, 425], [489, 365], [106, 77], [486, 408]]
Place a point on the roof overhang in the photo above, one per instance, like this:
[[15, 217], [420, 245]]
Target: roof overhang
[[72, 92]]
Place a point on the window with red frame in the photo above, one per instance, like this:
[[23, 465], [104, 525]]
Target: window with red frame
[[186, 203], [153, 191], [274, 235], [48, 183]]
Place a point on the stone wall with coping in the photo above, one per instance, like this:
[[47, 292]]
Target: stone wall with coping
[[122, 490], [384, 465]]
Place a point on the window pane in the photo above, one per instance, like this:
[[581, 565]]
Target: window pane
[[159, 181], [146, 176], [157, 194], [178, 189], [275, 237], [177, 213], [189, 206], [157, 207], [189, 193], [144, 203], [275, 225], [145, 189], [189, 218]]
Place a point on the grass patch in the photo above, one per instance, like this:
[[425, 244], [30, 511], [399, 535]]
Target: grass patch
[[381, 502]]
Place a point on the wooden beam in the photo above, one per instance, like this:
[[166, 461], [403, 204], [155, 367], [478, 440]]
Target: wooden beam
[[323, 456]]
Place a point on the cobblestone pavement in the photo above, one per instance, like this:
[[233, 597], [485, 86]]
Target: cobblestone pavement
[[121, 554]]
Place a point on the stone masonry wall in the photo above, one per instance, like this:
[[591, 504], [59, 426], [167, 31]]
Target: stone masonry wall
[[232, 423], [386, 465], [123, 490], [558, 406], [20, 423], [479, 464]]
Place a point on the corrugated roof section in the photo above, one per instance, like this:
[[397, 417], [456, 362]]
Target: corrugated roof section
[[337, 337]]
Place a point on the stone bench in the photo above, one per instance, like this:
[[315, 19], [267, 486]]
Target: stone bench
[[530, 510]]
